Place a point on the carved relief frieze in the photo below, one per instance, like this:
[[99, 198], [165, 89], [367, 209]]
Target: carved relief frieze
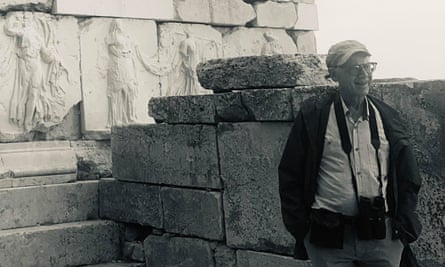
[[120, 72], [182, 47], [38, 71]]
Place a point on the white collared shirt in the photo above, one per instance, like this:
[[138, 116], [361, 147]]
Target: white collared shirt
[[335, 190]]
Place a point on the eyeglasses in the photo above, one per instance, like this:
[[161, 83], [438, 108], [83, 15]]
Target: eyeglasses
[[369, 68]]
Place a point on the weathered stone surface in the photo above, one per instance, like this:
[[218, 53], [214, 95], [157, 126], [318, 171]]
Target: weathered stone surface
[[166, 154], [249, 105], [277, 71], [243, 41], [159, 252], [118, 264], [422, 104], [50, 204], [37, 180], [181, 48], [249, 157], [35, 5], [68, 129], [268, 105], [69, 244], [275, 15], [118, 77], [93, 159], [37, 159], [307, 17], [145, 9], [193, 212], [192, 10], [305, 41], [300, 94], [247, 258], [130, 202], [133, 251], [185, 109], [231, 12], [224, 257], [230, 107], [55, 70]]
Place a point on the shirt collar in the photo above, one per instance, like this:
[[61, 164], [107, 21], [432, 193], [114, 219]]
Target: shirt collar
[[365, 113]]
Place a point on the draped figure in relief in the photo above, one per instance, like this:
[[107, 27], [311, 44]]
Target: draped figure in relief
[[122, 85], [37, 97]]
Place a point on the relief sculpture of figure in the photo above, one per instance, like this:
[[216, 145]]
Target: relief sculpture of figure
[[37, 97], [121, 74], [190, 52]]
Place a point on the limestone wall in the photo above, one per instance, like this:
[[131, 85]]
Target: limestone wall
[[73, 69], [204, 182]]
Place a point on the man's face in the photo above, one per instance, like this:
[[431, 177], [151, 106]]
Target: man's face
[[353, 79]]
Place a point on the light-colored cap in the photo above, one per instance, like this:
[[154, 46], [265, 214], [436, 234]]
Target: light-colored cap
[[340, 52]]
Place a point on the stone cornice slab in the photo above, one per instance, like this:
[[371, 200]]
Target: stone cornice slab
[[275, 71]]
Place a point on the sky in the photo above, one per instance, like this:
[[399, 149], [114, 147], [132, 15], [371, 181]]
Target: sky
[[405, 37]]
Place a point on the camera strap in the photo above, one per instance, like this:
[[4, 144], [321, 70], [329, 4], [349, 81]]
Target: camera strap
[[346, 141]]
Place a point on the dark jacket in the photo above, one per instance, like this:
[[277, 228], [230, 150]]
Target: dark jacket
[[300, 164]]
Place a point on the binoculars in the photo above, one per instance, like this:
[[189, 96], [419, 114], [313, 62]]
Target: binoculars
[[371, 220]]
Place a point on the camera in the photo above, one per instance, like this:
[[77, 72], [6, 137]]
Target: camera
[[371, 219]]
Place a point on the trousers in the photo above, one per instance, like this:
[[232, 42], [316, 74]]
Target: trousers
[[370, 253]]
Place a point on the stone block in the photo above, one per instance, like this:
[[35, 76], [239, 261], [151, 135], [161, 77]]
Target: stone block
[[183, 155], [55, 67], [118, 264], [185, 109], [249, 157], [268, 105], [118, 77], [231, 12], [254, 72], [181, 48], [192, 10], [93, 159], [49, 204], [133, 251], [230, 107], [163, 251], [275, 15], [307, 17], [224, 257], [305, 40], [70, 244], [300, 94], [243, 41], [35, 5], [193, 213], [144, 9], [130, 202], [247, 258], [37, 159]]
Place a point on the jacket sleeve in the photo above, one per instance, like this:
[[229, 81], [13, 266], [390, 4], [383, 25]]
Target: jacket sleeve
[[291, 173], [409, 182]]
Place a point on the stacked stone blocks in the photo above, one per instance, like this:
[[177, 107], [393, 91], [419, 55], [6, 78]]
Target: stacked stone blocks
[[238, 221]]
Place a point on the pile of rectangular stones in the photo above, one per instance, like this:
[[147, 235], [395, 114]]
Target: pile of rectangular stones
[[203, 181]]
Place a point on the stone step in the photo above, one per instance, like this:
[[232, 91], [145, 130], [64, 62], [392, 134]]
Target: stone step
[[118, 264], [31, 163], [49, 204], [69, 244]]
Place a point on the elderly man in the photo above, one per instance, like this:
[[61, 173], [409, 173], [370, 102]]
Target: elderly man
[[348, 178]]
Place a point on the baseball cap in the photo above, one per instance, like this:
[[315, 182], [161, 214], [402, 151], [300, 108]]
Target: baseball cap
[[340, 52]]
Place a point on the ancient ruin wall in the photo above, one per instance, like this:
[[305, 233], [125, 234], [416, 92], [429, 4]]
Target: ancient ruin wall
[[95, 64], [204, 181]]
